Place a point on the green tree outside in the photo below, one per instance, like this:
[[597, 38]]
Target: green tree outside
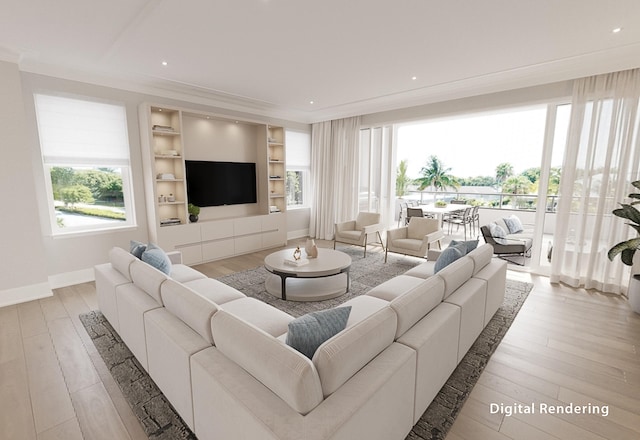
[[402, 179]]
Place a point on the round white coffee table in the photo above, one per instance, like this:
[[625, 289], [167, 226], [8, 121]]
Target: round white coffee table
[[324, 277]]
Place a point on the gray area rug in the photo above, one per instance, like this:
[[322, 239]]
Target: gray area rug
[[160, 420]]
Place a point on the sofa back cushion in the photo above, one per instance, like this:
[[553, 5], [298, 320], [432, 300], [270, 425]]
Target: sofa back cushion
[[342, 356], [121, 261], [148, 279], [190, 307], [481, 256], [456, 274], [413, 305], [288, 373]]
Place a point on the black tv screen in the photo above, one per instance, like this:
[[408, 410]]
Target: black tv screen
[[220, 183]]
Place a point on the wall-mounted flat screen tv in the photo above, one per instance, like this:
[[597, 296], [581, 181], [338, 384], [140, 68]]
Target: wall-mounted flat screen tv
[[220, 183]]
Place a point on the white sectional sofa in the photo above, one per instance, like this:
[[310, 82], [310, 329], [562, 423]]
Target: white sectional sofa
[[222, 361]]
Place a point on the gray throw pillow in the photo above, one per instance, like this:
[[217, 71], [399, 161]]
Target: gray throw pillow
[[469, 244], [157, 258], [137, 248], [309, 331], [448, 256], [514, 224], [497, 231]]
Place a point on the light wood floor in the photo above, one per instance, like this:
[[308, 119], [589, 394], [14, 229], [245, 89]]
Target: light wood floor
[[566, 346]]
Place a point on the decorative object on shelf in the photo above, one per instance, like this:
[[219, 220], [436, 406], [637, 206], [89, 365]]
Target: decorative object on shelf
[[628, 248], [166, 128], [297, 253], [310, 248], [165, 176], [194, 211], [171, 198]]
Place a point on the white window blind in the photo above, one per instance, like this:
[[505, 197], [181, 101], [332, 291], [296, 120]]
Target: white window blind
[[74, 131], [298, 146]]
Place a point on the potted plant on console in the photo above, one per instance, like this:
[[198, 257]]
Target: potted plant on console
[[194, 211], [628, 248]]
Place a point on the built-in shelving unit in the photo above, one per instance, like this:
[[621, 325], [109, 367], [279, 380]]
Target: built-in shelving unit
[[277, 169], [166, 166], [222, 231]]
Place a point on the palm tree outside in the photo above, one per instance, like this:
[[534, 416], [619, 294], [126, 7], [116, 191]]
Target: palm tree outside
[[435, 175], [503, 172], [402, 179]]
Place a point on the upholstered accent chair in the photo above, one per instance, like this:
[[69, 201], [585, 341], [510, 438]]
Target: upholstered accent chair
[[508, 246], [358, 231], [414, 239]]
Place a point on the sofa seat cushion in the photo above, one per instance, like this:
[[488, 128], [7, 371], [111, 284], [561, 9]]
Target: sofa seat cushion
[[350, 235], [261, 315], [183, 273], [190, 307], [362, 307], [342, 356], [309, 331], [214, 290], [408, 243], [285, 371], [424, 270]]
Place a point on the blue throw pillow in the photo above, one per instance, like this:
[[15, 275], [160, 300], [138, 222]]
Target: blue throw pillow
[[157, 258], [448, 256], [514, 224], [137, 249], [469, 244], [309, 331]]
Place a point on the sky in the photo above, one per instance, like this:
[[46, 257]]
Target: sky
[[474, 145]]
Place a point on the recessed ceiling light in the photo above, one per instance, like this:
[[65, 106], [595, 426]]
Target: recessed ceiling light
[[310, 102], [159, 109], [164, 63], [616, 30], [414, 78]]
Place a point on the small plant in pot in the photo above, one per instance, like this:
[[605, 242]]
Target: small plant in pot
[[628, 248], [194, 211]]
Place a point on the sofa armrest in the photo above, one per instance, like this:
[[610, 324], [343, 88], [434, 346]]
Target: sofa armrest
[[175, 257], [378, 227], [433, 236]]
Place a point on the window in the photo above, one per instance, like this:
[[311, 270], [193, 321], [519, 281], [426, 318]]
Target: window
[[85, 153], [298, 163]]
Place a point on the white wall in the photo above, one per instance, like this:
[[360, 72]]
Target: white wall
[[23, 273], [32, 260]]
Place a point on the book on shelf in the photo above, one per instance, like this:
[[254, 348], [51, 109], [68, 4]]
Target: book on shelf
[[169, 221], [163, 128]]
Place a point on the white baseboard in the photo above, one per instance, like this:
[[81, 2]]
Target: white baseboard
[[70, 278], [19, 295], [297, 234]]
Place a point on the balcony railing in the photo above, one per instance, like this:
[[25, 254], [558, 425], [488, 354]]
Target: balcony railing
[[526, 202]]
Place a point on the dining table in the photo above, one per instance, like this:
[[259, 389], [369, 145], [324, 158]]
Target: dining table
[[441, 211]]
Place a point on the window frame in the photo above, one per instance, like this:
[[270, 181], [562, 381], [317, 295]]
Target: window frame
[[305, 171], [124, 165]]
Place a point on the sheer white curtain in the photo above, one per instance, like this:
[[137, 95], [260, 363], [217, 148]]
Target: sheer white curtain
[[601, 160], [334, 174]]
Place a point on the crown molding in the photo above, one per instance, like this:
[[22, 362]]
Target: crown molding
[[610, 60]]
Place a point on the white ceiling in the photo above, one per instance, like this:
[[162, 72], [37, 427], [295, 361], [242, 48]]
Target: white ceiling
[[272, 57]]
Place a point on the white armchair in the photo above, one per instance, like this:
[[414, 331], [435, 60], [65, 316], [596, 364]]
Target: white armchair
[[416, 238], [357, 231]]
